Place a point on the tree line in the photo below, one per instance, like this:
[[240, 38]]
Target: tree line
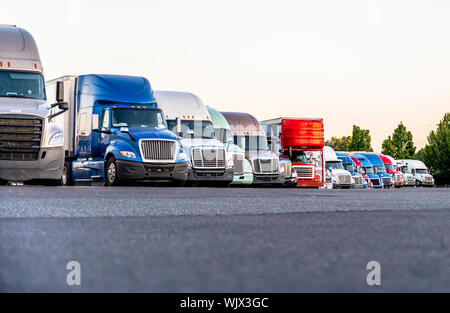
[[400, 145]]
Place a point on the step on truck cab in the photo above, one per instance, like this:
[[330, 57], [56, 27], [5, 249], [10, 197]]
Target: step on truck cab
[[302, 141], [341, 178], [420, 173], [249, 135], [31, 144], [379, 168], [274, 143], [350, 166], [369, 170], [243, 172], [391, 168], [188, 117], [115, 132]]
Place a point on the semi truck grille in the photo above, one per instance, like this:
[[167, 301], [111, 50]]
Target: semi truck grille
[[20, 138], [345, 179], [358, 180], [266, 166], [288, 169], [397, 178], [305, 172], [238, 160], [158, 150], [375, 181], [209, 158], [387, 181], [429, 179]]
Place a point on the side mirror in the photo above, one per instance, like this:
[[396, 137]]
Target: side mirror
[[63, 106], [60, 92], [178, 121]]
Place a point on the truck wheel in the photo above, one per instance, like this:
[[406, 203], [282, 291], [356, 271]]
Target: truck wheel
[[111, 173], [66, 179], [179, 183]]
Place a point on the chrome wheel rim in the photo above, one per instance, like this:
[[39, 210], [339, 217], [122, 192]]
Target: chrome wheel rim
[[111, 173]]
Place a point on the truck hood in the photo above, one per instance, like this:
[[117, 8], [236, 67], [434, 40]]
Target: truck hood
[[338, 172], [252, 154], [188, 143], [151, 133], [24, 106]]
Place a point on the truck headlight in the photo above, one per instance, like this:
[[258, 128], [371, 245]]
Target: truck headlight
[[57, 139], [128, 154], [282, 170], [183, 156]]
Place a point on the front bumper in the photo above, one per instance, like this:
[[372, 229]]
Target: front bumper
[[243, 179], [342, 186], [49, 166], [309, 183], [128, 171], [428, 184], [266, 179], [210, 175]]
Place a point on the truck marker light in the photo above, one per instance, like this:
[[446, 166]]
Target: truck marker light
[[35, 66], [9, 64], [1, 64]]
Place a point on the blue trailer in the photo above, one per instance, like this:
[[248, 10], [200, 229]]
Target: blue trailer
[[380, 169], [369, 170], [115, 132]]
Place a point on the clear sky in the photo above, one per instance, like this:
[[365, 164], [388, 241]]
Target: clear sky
[[372, 63]]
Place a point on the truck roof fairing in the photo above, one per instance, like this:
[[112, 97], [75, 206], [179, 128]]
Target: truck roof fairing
[[183, 105], [218, 120], [244, 124], [117, 89], [18, 50]]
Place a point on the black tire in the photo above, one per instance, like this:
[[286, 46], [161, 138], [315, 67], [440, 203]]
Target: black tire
[[179, 183], [66, 179], [111, 173]]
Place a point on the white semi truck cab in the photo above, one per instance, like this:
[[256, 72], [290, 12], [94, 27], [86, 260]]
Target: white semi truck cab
[[188, 117], [335, 170], [31, 145]]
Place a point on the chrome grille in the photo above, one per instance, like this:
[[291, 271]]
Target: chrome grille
[[238, 160], [158, 150], [358, 180], [387, 181], [20, 138], [397, 178], [429, 179], [209, 158], [287, 169], [304, 172], [266, 166], [345, 179], [375, 181]]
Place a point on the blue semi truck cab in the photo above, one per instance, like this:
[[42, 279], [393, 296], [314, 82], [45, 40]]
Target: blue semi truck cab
[[369, 170], [380, 169], [115, 132], [350, 166]]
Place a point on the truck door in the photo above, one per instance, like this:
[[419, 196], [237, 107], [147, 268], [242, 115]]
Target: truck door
[[105, 138]]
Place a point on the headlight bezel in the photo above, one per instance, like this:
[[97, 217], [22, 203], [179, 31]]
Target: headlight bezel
[[56, 140]]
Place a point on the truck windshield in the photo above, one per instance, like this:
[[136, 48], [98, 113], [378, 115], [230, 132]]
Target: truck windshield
[[389, 167], [138, 118], [350, 167], [252, 143], [369, 170], [334, 165], [21, 85], [422, 171], [380, 169], [194, 129]]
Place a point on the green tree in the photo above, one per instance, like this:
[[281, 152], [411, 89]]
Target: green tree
[[339, 144], [361, 140], [436, 154], [400, 145]]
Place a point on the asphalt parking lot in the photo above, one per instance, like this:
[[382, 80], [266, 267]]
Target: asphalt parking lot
[[148, 239]]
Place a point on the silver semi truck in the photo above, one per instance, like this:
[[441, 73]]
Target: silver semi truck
[[31, 145]]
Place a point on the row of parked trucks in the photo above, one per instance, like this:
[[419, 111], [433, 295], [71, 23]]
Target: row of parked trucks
[[112, 129]]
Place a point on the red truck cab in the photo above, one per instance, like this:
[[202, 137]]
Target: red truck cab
[[302, 142], [392, 170]]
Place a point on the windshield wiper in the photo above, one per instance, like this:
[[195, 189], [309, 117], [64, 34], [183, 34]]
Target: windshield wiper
[[13, 96]]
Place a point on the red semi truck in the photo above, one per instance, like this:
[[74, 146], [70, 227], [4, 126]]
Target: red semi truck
[[302, 142]]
